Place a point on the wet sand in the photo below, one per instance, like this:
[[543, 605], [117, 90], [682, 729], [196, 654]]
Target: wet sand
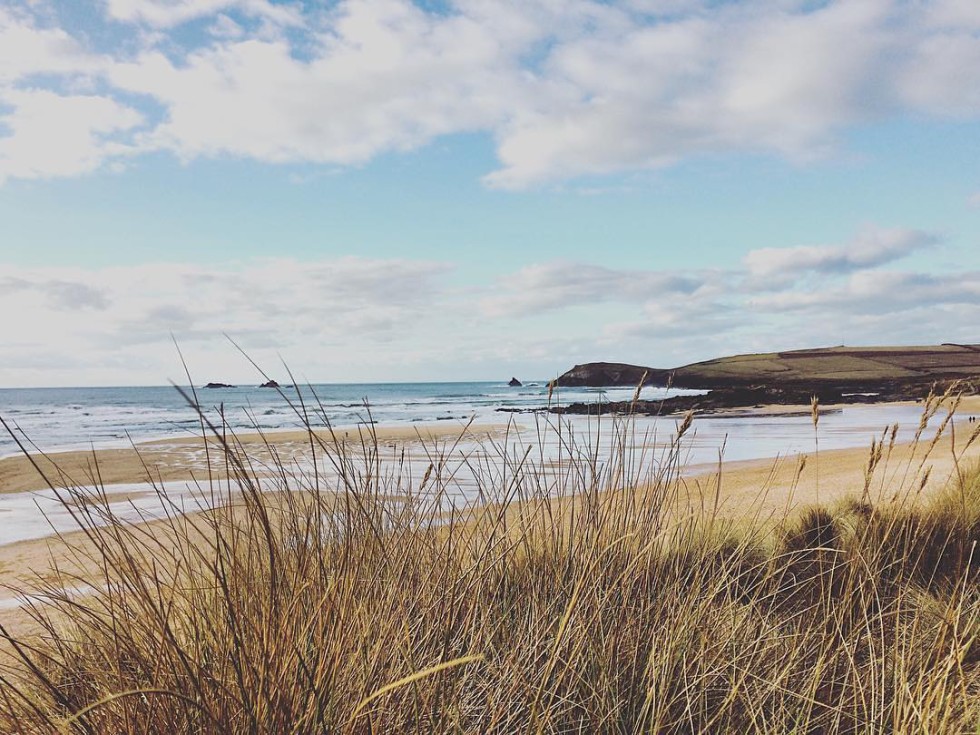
[[187, 459], [758, 488]]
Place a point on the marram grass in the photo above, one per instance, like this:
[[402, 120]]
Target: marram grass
[[576, 597]]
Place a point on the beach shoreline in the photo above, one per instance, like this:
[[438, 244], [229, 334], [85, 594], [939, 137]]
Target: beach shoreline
[[763, 486], [181, 458], [184, 461]]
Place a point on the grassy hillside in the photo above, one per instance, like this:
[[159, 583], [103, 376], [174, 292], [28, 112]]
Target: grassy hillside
[[858, 366]]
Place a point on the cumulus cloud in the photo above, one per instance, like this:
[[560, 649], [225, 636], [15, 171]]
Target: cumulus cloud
[[348, 318], [692, 317], [741, 78], [878, 292], [169, 13], [558, 285], [758, 77], [27, 50], [871, 248], [60, 294], [55, 135], [386, 76], [780, 291], [565, 89], [47, 132], [956, 13], [268, 303]]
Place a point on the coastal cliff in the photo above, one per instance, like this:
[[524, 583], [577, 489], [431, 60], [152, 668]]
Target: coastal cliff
[[832, 374], [603, 374]]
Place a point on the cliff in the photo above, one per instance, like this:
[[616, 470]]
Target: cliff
[[832, 375], [858, 368]]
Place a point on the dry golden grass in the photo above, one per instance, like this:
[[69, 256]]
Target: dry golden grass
[[574, 598]]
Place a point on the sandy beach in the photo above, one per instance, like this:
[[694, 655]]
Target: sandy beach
[[759, 488], [186, 458]]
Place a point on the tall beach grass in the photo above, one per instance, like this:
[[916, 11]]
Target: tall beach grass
[[592, 591]]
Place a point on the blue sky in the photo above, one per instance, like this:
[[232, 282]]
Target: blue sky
[[388, 190]]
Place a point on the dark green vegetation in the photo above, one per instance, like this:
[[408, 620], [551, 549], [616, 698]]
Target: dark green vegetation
[[578, 598], [832, 375]]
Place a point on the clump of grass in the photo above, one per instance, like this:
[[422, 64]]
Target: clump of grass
[[575, 597]]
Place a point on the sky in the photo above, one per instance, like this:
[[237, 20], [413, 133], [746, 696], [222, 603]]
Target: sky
[[389, 190]]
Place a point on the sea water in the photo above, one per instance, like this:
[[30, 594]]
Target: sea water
[[56, 419]]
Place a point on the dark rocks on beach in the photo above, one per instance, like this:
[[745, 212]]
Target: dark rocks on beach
[[219, 385], [269, 384], [748, 397], [515, 383]]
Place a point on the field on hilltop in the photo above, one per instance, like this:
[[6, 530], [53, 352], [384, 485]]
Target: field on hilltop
[[862, 367]]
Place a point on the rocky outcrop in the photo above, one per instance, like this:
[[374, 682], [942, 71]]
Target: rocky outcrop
[[599, 374], [219, 385], [832, 374], [269, 384], [515, 383], [738, 397]]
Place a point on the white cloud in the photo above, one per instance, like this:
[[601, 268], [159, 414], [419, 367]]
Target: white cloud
[[974, 200], [336, 310], [387, 77], [566, 89], [941, 77], [357, 319], [878, 292], [740, 78], [168, 13], [559, 285], [49, 134], [963, 14], [226, 27], [61, 294], [46, 133], [26, 50], [871, 248], [782, 291], [691, 317]]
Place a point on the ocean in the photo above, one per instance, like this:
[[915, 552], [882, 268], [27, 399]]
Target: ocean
[[57, 419]]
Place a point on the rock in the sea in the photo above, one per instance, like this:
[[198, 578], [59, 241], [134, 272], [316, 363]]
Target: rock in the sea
[[218, 385], [269, 384], [515, 383]]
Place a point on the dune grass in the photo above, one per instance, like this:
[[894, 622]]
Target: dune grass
[[579, 594]]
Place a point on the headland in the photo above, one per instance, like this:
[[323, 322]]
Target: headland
[[831, 375]]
